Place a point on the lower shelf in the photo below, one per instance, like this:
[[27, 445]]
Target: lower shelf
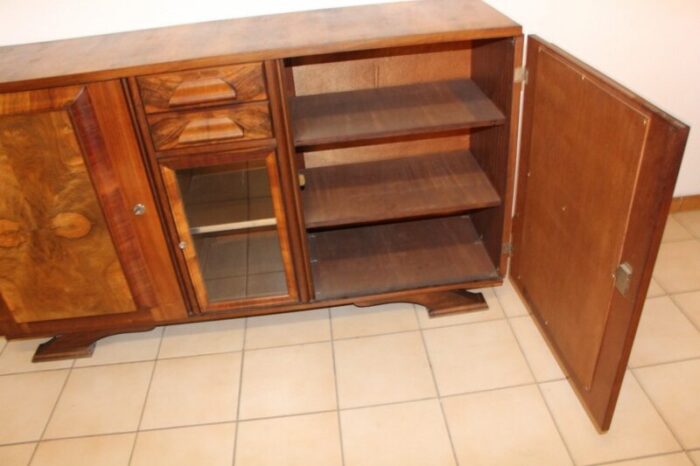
[[391, 257]]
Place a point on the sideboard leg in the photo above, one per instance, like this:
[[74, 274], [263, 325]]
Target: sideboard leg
[[440, 302], [71, 345]]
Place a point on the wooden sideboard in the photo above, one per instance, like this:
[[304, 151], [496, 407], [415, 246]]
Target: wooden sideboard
[[358, 155]]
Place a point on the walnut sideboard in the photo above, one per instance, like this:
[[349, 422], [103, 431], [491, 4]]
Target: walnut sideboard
[[359, 155]]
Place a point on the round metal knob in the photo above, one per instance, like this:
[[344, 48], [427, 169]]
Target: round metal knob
[[139, 209], [182, 245]]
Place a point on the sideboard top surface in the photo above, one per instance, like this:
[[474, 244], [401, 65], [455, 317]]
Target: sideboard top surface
[[247, 39]]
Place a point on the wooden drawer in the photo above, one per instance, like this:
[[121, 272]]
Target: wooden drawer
[[243, 122], [211, 86]]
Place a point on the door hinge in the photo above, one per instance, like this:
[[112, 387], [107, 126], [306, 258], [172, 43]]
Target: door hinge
[[507, 249], [521, 75], [623, 277]]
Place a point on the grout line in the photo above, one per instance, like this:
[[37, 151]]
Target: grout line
[[539, 388], [680, 308], [665, 363], [145, 400], [337, 395], [623, 460], [240, 394], [53, 410], [437, 388], [656, 408]]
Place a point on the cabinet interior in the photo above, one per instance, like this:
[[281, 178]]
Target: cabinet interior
[[403, 154]]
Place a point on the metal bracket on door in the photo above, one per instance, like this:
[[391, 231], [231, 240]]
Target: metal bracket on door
[[623, 277]]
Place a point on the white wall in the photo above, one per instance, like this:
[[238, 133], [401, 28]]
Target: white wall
[[648, 45]]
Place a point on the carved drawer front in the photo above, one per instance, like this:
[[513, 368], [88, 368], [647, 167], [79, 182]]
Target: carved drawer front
[[211, 86], [184, 129]]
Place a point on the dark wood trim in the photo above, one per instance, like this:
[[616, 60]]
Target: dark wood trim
[[440, 303], [74, 345], [685, 203]]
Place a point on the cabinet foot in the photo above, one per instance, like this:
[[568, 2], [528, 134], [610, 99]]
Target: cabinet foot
[[72, 345], [440, 302]]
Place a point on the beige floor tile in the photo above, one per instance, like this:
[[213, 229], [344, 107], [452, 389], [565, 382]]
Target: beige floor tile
[[210, 445], [674, 459], [17, 357], [655, 289], [217, 336], [495, 311], [292, 328], [3, 342], [664, 334], [353, 321], [16, 455], [476, 357], [403, 434], [690, 305], [127, 347], [677, 267], [675, 389], [690, 220], [637, 429], [695, 456], [509, 426], [287, 380], [101, 400], [675, 231], [510, 300], [194, 390], [26, 401], [106, 450], [382, 369], [307, 440], [539, 356]]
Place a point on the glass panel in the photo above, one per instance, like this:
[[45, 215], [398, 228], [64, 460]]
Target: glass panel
[[231, 217]]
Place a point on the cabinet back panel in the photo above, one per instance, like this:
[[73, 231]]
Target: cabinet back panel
[[383, 71], [57, 259]]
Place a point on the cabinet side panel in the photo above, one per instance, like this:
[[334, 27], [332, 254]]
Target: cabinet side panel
[[57, 259], [493, 65]]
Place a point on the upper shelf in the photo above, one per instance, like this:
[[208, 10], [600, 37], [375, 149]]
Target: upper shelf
[[387, 190], [385, 114]]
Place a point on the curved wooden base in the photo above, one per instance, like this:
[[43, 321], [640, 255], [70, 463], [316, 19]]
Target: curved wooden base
[[439, 302], [74, 345]]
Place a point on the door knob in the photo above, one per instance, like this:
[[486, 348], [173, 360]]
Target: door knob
[[139, 209]]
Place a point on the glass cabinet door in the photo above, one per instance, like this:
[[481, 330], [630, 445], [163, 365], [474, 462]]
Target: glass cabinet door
[[228, 213]]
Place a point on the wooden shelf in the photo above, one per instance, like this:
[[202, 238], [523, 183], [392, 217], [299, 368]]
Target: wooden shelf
[[387, 114], [396, 256], [413, 187]]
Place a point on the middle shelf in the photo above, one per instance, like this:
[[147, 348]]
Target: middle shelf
[[387, 190]]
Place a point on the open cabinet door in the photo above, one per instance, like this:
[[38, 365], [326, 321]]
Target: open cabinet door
[[597, 170]]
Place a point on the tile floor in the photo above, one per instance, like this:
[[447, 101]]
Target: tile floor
[[361, 387]]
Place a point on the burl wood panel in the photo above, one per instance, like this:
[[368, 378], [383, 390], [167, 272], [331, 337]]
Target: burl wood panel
[[243, 122], [210, 86], [250, 39], [595, 185], [57, 256], [381, 191]]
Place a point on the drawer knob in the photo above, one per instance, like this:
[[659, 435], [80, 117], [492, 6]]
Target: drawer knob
[[209, 129], [201, 91]]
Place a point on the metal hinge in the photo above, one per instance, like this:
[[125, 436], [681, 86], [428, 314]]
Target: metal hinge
[[521, 75], [507, 249], [623, 277]]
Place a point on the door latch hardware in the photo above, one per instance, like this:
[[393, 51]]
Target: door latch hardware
[[182, 245], [520, 75], [623, 277]]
